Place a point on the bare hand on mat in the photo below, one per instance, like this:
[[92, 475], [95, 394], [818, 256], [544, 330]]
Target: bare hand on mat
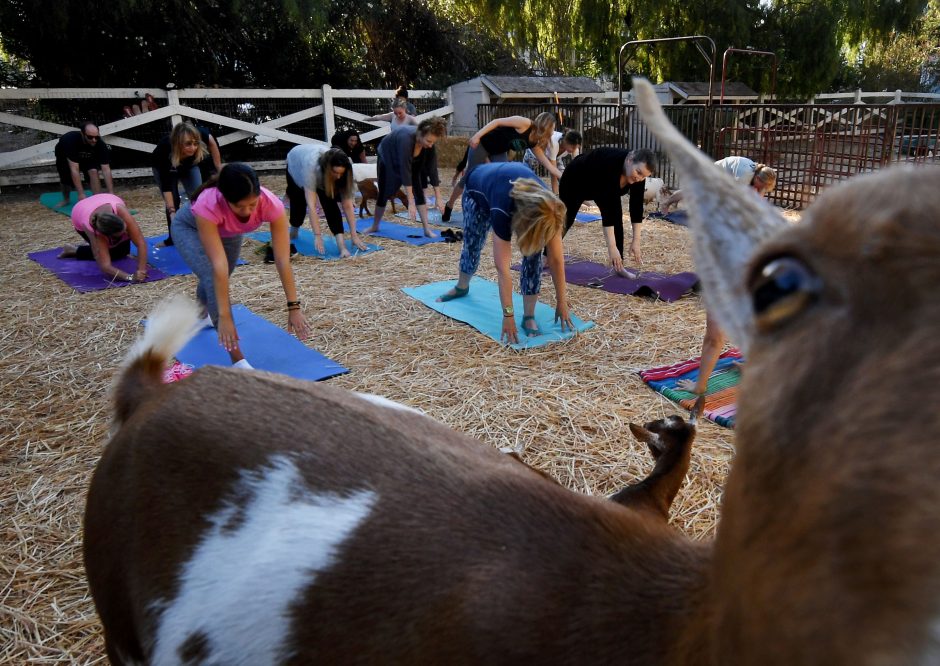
[[297, 324], [564, 315], [510, 335], [228, 336]]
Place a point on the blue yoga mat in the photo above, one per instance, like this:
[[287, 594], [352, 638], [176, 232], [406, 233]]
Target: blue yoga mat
[[305, 245], [266, 346], [584, 218], [399, 232], [50, 199], [167, 259], [434, 217], [480, 309]]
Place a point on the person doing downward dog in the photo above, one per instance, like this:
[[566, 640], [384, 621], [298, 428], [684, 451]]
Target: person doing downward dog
[[318, 172], [759, 177], [208, 232], [511, 199], [83, 151], [561, 144], [762, 179], [604, 175], [183, 157], [494, 140], [108, 227], [403, 155]]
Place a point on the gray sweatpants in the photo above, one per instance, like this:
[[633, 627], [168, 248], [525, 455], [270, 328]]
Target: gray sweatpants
[[188, 244]]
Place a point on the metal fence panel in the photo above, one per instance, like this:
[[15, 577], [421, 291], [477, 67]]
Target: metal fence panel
[[810, 146]]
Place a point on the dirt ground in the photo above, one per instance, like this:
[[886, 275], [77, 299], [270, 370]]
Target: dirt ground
[[565, 406]]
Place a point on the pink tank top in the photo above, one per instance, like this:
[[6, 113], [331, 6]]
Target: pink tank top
[[81, 215]]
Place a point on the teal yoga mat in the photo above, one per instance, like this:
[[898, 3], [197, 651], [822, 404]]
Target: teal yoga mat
[[305, 245], [480, 309], [50, 199], [265, 345]]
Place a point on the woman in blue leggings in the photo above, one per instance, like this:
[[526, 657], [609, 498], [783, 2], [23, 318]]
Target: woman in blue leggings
[[511, 199]]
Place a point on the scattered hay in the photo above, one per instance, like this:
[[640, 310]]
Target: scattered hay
[[565, 407]]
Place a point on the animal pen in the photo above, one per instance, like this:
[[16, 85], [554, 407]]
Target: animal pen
[[809, 145]]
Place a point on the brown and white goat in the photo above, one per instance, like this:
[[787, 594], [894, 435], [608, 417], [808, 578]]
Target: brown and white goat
[[222, 528], [366, 177], [381, 536]]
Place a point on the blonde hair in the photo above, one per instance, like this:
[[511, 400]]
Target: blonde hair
[[538, 216], [541, 129], [766, 175], [434, 125], [178, 136]]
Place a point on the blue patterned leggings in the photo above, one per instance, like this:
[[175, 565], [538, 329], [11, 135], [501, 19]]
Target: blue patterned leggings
[[476, 225]]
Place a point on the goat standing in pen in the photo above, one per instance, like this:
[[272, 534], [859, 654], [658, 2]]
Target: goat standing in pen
[[385, 537]]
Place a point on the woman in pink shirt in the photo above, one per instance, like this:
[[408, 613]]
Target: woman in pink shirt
[[109, 228], [208, 234]]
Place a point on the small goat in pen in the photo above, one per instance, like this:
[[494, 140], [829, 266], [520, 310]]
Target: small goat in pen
[[216, 535]]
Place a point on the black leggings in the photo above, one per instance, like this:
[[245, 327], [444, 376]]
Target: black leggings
[[298, 207], [119, 251], [611, 212], [388, 187]]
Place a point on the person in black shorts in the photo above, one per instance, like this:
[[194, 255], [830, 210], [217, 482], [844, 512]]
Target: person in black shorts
[[83, 151], [604, 175]]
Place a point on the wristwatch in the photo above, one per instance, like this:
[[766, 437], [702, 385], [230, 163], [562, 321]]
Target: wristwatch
[[508, 311]]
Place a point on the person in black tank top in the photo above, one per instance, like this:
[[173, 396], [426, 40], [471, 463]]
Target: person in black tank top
[[494, 140]]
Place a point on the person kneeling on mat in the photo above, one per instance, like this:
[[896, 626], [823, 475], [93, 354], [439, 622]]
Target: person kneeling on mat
[[511, 199], [208, 233], [109, 229]]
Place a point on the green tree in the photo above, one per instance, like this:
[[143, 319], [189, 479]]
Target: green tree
[[263, 43], [583, 36]]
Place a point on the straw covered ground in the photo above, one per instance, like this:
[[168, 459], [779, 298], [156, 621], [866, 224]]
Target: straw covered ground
[[565, 406]]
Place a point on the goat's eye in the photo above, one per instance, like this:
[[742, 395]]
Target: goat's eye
[[781, 289]]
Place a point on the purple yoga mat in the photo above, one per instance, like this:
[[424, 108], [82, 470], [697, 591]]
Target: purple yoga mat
[[647, 283], [84, 276]]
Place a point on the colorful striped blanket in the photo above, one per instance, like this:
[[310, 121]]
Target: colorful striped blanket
[[722, 392]]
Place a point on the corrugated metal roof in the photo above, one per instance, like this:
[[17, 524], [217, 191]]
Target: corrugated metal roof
[[578, 85], [696, 89]]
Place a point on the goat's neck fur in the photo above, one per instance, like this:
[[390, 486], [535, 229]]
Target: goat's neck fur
[[827, 549]]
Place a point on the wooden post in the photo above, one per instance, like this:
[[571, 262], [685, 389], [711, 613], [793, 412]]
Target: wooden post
[[329, 120], [173, 98]]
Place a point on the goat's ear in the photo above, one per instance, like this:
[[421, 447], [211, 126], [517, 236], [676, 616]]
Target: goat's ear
[[727, 222], [651, 439]]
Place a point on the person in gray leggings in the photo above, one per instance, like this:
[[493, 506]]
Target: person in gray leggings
[[208, 235]]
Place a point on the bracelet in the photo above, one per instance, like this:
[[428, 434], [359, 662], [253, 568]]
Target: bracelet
[[293, 308], [290, 303]]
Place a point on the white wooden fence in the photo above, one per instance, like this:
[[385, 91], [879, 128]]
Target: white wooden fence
[[266, 122]]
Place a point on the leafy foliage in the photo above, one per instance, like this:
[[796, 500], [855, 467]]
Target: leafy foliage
[[263, 43], [432, 43], [808, 36]]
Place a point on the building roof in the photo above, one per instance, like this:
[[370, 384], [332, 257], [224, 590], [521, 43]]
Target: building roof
[[565, 86], [697, 90]]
